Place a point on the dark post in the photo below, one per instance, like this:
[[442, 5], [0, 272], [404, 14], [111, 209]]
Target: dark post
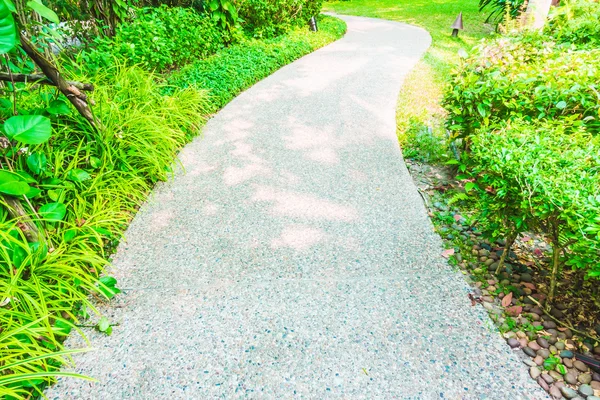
[[457, 25], [313, 24]]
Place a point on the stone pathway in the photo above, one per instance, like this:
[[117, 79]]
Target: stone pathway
[[294, 257]]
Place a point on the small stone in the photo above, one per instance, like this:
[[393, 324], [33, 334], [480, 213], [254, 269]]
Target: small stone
[[555, 375], [534, 345], [586, 390], [534, 316], [488, 306], [568, 362], [553, 349], [555, 392], [491, 288], [580, 366], [526, 278], [597, 350], [562, 306], [568, 392], [568, 333], [566, 354], [488, 299], [549, 324], [529, 362], [544, 353], [593, 398], [521, 334], [543, 384], [596, 376], [595, 385], [529, 351], [560, 345], [543, 342], [547, 378], [539, 360], [489, 261], [523, 342], [571, 378], [552, 340], [534, 372], [586, 379], [513, 343]]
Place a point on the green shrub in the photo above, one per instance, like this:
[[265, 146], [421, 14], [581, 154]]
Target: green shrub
[[237, 67], [524, 77], [158, 39], [544, 177], [269, 18], [499, 8], [84, 188], [576, 22]]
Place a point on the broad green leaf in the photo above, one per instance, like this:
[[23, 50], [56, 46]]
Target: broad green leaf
[[469, 186], [78, 175], [58, 107], [25, 177], [561, 105], [8, 29], [12, 184], [38, 7], [69, 234], [95, 162], [28, 129], [37, 163], [33, 191], [53, 211]]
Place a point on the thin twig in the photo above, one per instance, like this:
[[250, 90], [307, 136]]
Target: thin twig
[[537, 303]]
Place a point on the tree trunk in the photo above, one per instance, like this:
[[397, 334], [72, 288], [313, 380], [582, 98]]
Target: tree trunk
[[510, 240], [537, 13], [78, 99], [16, 211]]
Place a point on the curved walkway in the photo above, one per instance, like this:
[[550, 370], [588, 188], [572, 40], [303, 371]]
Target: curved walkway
[[294, 257]]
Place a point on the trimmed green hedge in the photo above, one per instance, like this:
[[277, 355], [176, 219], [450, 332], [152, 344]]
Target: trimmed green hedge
[[237, 67], [157, 39], [525, 109], [269, 18]]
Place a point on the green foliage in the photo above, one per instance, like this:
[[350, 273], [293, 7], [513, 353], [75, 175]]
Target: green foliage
[[157, 39], [526, 110], [224, 13], [239, 66], [88, 185], [524, 77], [544, 177], [269, 18], [576, 22], [499, 8]]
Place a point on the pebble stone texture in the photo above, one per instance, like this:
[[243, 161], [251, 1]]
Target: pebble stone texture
[[294, 257]]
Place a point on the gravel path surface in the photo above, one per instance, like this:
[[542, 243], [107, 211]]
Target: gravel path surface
[[294, 256]]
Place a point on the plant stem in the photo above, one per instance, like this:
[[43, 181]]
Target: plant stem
[[510, 240]]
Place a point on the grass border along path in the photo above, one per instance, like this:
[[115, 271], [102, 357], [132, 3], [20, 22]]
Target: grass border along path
[[236, 68], [103, 177], [420, 117]]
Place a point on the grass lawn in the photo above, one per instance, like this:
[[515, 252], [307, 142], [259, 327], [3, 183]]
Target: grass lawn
[[420, 117]]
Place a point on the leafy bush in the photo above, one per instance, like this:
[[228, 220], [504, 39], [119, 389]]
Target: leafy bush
[[499, 8], [269, 18], [526, 108], [524, 77], [238, 67], [543, 177], [576, 22], [82, 189], [158, 39]]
